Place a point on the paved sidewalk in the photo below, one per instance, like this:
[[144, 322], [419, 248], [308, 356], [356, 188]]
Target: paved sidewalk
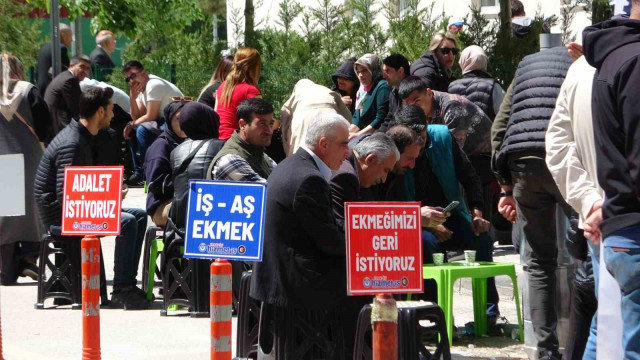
[[56, 332]]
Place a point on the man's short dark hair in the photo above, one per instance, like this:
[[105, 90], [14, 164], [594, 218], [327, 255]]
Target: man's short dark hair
[[403, 136], [133, 64], [397, 61], [78, 58], [517, 9], [409, 85], [92, 99], [413, 117], [257, 106]]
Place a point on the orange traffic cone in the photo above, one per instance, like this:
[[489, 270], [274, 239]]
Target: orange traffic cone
[[90, 298], [220, 298]]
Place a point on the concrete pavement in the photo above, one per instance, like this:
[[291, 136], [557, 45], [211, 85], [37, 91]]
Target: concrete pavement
[[56, 332]]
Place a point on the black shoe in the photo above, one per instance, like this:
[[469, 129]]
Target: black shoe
[[143, 293], [135, 181], [549, 355], [128, 299], [30, 270]]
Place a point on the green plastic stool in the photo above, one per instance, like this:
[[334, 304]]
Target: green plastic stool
[[157, 246], [445, 276]]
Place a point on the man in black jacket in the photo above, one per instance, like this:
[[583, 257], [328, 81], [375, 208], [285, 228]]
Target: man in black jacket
[[613, 48], [100, 57], [76, 145], [64, 91], [302, 277], [44, 58], [528, 189]]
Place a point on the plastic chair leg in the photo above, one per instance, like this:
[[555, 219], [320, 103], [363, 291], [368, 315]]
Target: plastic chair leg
[[153, 256]]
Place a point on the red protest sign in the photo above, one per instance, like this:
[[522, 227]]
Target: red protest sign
[[91, 202], [384, 248]]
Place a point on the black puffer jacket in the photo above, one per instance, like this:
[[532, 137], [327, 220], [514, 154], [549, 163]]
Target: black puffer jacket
[[71, 147], [535, 90], [477, 86], [432, 74]]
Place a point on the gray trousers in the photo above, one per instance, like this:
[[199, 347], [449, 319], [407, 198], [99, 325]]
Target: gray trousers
[[536, 196]]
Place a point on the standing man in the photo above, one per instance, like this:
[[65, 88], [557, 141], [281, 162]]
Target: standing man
[[44, 73], [148, 96], [63, 93], [100, 57], [613, 48], [395, 68], [302, 278], [74, 146], [528, 189]]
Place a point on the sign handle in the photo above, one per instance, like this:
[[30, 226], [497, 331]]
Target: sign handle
[[90, 298], [384, 318], [220, 298]]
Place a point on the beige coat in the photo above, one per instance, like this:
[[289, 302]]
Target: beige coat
[[571, 152], [307, 100]]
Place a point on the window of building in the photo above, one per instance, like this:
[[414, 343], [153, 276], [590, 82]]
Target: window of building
[[490, 6]]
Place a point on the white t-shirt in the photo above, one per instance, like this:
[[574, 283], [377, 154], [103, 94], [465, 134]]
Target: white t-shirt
[[119, 97], [158, 89]]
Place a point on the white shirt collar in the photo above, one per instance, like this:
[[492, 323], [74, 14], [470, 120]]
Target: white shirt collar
[[325, 171]]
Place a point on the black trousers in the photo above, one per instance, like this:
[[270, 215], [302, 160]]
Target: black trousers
[[583, 306], [536, 196]]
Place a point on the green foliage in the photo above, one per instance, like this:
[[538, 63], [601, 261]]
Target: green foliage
[[367, 36], [412, 32], [19, 35]]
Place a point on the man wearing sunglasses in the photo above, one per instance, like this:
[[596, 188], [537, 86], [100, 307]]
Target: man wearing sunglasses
[[148, 95]]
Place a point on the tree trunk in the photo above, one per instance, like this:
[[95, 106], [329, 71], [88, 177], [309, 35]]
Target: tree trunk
[[249, 32]]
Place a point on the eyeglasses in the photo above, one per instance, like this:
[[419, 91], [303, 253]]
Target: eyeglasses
[[181, 98], [445, 51], [131, 77]]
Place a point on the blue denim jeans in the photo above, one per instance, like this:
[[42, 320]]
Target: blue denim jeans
[[133, 224], [139, 144], [463, 238], [624, 265], [590, 349]]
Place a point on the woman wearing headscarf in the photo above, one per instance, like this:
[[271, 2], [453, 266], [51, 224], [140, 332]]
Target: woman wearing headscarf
[[345, 81], [157, 166], [26, 125], [372, 100], [191, 159], [476, 84]]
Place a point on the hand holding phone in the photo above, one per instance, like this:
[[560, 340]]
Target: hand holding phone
[[454, 204]]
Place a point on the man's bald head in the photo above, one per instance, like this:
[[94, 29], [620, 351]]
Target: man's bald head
[[66, 35], [106, 40]]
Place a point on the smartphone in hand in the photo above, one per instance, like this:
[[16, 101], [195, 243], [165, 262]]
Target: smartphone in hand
[[454, 204]]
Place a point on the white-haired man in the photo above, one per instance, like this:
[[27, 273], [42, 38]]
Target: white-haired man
[[302, 277], [100, 57]]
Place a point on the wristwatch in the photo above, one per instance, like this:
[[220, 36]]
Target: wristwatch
[[506, 193]]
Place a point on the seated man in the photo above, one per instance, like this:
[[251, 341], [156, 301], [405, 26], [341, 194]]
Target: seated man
[[469, 125], [439, 171], [148, 95], [73, 147], [242, 158]]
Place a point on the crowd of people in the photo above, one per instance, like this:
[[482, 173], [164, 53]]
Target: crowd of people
[[388, 130]]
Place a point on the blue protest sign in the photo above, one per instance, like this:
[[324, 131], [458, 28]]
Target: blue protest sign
[[225, 220]]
